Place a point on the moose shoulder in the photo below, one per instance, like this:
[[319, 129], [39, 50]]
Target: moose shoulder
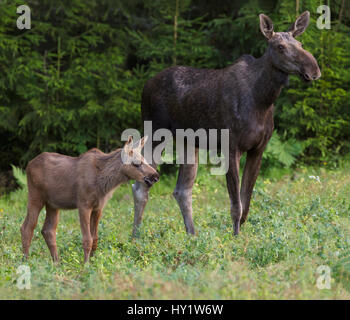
[[240, 98]]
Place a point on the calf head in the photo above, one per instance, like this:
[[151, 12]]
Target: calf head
[[286, 53], [134, 164]]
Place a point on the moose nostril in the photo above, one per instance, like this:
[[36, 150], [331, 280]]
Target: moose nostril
[[148, 181], [307, 76]]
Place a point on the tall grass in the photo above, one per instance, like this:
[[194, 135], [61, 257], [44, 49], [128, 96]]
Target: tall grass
[[295, 225]]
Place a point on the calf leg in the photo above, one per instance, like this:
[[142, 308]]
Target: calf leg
[[49, 230], [232, 179], [183, 192], [84, 216], [250, 174], [33, 209], [94, 219]]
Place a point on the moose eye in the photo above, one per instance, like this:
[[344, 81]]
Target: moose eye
[[281, 47]]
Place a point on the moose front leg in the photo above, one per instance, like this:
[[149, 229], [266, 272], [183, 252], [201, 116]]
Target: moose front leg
[[84, 217], [232, 179], [183, 189], [250, 174], [94, 219], [140, 193]]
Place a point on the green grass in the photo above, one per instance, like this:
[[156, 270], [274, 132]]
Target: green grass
[[295, 225]]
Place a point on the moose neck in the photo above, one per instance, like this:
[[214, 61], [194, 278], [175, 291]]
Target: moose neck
[[109, 171], [269, 82]]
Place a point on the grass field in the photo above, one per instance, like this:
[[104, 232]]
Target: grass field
[[295, 225]]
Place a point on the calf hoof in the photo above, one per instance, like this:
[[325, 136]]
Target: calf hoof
[[191, 232], [92, 253], [135, 233]]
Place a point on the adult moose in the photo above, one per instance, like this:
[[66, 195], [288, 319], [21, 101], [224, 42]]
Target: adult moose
[[240, 98]]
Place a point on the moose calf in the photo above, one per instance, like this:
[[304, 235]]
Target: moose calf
[[86, 182]]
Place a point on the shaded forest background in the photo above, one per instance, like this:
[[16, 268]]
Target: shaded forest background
[[74, 80]]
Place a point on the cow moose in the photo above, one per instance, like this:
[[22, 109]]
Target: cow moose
[[239, 98]]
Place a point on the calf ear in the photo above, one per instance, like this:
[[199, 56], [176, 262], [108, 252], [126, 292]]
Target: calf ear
[[142, 142], [266, 26], [128, 149], [300, 24]]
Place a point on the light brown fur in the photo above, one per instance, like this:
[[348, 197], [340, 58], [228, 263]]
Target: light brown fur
[[86, 182]]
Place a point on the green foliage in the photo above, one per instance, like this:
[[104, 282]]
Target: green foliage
[[65, 86], [282, 153], [74, 81], [342, 271], [295, 225], [20, 176], [157, 45]]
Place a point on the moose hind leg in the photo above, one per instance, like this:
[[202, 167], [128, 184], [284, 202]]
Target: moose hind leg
[[49, 231], [232, 179], [183, 192]]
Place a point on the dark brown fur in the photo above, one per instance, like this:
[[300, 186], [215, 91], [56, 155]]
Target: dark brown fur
[[239, 98]]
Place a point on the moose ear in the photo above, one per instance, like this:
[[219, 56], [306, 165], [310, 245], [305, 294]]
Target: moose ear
[[142, 142], [128, 149], [300, 24], [266, 26]]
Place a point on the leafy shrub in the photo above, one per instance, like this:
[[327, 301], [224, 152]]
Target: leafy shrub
[[74, 81], [282, 153], [20, 176]]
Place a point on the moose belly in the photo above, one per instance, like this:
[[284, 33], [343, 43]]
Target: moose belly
[[66, 201]]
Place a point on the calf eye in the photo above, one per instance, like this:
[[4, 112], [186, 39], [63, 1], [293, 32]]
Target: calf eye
[[136, 164], [281, 47]]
